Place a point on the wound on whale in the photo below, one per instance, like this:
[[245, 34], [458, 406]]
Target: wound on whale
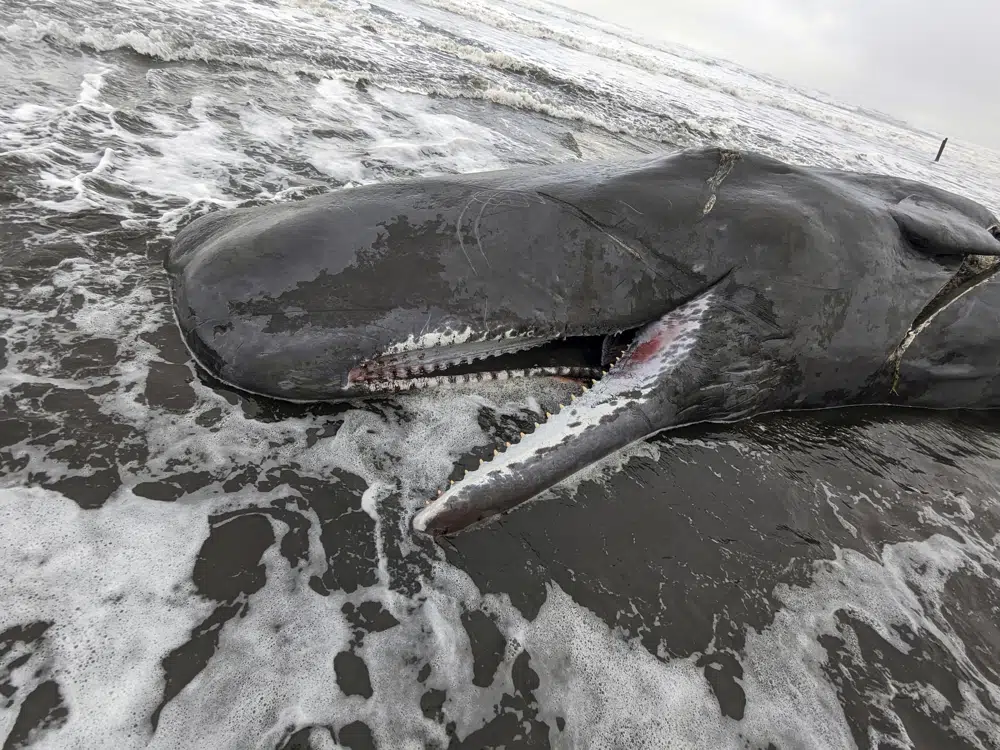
[[706, 285]]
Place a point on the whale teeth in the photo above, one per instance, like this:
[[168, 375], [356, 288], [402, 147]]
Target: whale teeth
[[522, 435], [548, 414], [452, 481], [496, 452], [507, 444]]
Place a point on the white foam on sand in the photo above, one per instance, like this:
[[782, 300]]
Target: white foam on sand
[[115, 586], [783, 665], [115, 583], [614, 693]]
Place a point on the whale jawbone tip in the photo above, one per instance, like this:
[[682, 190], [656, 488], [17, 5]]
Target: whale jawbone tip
[[421, 521]]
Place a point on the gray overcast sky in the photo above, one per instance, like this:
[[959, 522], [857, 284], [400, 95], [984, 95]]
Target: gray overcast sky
[[934, 63]]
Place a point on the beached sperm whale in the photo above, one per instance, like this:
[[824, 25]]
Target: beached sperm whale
[[704, 285]]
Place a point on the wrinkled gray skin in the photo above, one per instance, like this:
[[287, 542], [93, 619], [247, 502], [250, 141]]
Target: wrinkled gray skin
[[755, 286]]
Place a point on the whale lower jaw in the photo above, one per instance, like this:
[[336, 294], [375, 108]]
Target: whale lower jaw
[[617, 410]]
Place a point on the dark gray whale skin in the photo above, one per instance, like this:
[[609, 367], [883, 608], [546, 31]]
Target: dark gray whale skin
[[956, 361], [755, 285]]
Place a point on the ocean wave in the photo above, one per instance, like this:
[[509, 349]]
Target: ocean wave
[[495, 17], [168, 46]]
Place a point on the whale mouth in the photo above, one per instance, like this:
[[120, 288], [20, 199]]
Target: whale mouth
[[582, 358], [626, 404]]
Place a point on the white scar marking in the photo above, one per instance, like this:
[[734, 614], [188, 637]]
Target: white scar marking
[[458, 233], [475, 230], [727, 161], [513, 198]]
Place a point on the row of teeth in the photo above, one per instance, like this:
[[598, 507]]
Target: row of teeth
[[595, 375], [384, 370], [375, 371], [405, 379]]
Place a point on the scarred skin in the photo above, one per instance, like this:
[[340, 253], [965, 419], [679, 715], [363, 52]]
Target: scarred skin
[[805, 282]]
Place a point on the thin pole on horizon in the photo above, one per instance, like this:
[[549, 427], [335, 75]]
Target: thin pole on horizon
[[941, 150]]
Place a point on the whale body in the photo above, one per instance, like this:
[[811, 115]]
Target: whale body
[[705, 285]]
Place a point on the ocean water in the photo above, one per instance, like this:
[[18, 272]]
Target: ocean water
[[182, 565]]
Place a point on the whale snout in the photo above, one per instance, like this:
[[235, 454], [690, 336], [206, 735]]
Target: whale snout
[[256, 313], [253, 353]]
